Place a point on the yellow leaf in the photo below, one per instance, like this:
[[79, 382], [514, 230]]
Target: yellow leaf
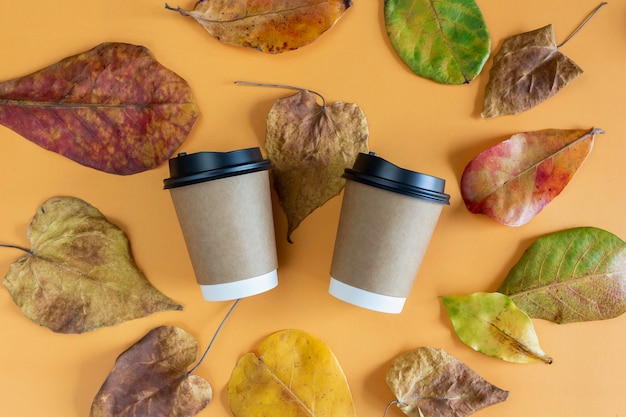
[[294, 374]]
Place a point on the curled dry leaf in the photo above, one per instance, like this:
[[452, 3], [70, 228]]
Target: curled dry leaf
[[294, 374], [310, 146], [151, 379], [514, 180], [446, 42], [271, 27], [79, 274], [429, 382], [570, 276], [113, 108], [528, 69], [491, 323]]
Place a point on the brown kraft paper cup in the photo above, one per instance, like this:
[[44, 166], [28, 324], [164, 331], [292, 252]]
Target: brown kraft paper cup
[[228, 227], [384, 229]]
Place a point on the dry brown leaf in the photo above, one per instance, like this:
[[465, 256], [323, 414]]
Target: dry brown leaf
[[80, 274], [151, 379], [528, 69], [310, 146], [429, 382]]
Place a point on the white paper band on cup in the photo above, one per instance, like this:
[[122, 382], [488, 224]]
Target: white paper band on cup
[[365, 299], [240, 289]]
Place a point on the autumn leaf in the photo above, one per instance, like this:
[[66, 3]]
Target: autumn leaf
[[271, 27], [490, 323], [80, 274], [429, 382], [446, 42], [570, 276], [514, 180], [113, 108], [528, 69], [294, 374], [151, 379], [309, 147]]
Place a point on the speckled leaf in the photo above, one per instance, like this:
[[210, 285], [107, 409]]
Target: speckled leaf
[[79, 274], [310, 146], [294, 374], [570, 276], [490, 323], [113, 108], [272, 27], [151, 379], [445, 41], [514, 180], [430, 382], [527, 70]]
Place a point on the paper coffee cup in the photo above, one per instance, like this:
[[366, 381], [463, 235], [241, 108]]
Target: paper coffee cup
[[223, 204], [388, 216]]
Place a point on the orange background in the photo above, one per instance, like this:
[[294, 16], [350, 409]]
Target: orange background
[[413, 122]]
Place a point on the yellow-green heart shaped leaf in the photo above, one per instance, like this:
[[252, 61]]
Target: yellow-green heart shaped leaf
[[294, 374], [445, 41], [429, 382], [151, 379], [490, 323], [79, 274], [570, 276]]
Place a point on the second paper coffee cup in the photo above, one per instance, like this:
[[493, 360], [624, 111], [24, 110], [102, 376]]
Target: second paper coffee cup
[[223, 204], [388, 216]]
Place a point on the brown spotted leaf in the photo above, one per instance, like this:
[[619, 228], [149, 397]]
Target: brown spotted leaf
[[310, 146], [113, 108], [271, 27], [79, 274], [528, 69], [429, 382], [151, 379]]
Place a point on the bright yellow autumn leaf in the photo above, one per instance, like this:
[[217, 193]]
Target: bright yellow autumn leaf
[[294, 374]]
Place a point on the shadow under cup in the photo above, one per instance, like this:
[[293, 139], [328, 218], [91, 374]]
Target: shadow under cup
[[223, 204], [388, 216]]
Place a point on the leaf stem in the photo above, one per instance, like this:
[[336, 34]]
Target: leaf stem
[[288, 87], [28, 251], [389, 406], [582, 25], [215, 336]]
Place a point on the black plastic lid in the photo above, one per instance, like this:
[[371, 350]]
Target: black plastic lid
[[187, 169], [371, 170]]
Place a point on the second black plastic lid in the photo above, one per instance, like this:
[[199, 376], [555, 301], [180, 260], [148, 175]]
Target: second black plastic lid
[[187, 169], [375, 171]]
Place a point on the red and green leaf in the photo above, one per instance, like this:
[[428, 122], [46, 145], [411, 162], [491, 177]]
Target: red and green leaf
[[514, 180]]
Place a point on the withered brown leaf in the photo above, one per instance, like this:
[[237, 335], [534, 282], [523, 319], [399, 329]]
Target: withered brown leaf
[[79, 274], [151, 379], [429, 382], [528, 69], [310, 146]]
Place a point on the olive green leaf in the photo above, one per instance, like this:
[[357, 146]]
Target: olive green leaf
[[445, 41], [79, 274], [490, 323], [570, 276]]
